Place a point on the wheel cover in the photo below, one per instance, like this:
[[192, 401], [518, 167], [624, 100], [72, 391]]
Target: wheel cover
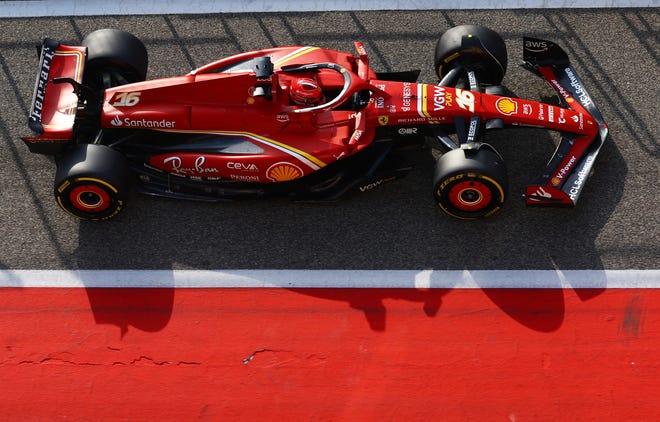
[[470, 195], [89, 198]]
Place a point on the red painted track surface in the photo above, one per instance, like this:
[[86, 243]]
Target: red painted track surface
[[330, 354]]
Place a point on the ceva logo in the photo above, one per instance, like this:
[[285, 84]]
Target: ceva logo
[[116, 121]]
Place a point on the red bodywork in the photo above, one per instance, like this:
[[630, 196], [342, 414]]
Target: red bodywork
[[55, 105], [293, 141]]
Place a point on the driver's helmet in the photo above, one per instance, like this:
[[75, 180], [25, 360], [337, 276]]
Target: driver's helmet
[[306, 91]]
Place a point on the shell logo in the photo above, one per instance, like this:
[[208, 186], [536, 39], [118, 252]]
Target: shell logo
[[555, 181], [282, 172], [506, 106]]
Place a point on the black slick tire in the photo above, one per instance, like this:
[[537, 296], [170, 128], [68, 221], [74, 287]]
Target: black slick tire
[[91, 182], [470, 184], [475, 47]]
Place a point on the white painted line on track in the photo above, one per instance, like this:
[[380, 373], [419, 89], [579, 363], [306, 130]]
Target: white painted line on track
[[36, 8], [298, 279]]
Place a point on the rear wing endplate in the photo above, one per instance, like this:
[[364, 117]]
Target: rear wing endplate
[[54, 105]]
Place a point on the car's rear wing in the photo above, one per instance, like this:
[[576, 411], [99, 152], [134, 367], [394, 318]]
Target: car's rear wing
[[54, 105], [566, 173]]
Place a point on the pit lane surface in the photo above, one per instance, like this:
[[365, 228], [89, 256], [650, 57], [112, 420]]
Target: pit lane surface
[[410, 346], [615, 226]]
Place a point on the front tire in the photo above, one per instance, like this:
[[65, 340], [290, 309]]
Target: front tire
[[470, 184], [474, 47], [91, 182]]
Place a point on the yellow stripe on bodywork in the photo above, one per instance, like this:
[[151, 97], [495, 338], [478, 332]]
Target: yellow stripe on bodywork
[[295, 54], [424, 99], [309, 160], [286, 147]]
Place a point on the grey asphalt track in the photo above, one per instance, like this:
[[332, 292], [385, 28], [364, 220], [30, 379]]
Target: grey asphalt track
[[615, 226]]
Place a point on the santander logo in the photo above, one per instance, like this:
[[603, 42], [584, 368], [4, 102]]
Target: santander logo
[[142, 123]]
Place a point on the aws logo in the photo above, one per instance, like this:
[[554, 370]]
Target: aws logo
[[536, 46]]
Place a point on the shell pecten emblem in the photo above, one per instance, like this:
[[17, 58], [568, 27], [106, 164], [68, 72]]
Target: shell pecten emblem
[[506, 106], [282, 172]]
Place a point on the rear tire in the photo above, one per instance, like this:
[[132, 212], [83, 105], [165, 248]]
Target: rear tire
[[475, 47], [112, 50], [92, 182], [470, 184]]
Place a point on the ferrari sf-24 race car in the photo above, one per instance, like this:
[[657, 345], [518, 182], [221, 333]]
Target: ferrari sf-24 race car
[[304, 122]]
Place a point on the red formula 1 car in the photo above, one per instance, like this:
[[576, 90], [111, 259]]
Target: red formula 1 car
[[303, 122]]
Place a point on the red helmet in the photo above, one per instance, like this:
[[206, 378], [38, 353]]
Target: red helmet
[[305, 91]]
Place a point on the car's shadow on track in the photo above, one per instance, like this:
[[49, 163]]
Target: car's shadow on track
[[147, 310], [396, 227]]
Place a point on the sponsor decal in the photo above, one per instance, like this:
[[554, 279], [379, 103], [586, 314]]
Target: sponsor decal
[[411, 120], [528, 109], [561, 174], [380, 102], [506, 106], [581, 176], [449, 99], [551, 114], [375, 184], [177, 166], [407, 96], [561, 119], [438, 98], [541, 112], [42, 81], [407, 131], [244, 177], [282, 117], [142, 123], [355, 137], [383, 120], [282, 172], [556, 181], [472, 130], [542, 193], [536, 46], [577, 87], [472, 79], [242, 166], [560, 89]]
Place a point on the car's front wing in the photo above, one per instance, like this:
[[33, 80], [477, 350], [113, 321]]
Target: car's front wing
[[565, 175]]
